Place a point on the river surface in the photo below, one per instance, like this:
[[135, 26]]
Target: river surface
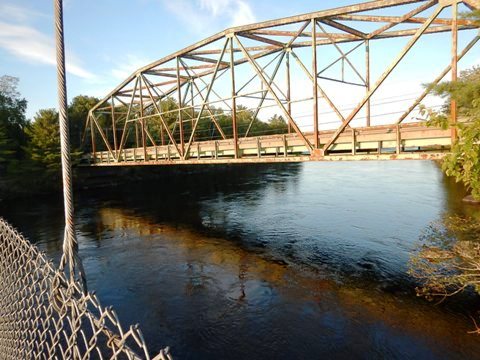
[[292, 261]]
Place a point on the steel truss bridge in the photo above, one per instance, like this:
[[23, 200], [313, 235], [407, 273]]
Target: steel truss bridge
[[258, 66]]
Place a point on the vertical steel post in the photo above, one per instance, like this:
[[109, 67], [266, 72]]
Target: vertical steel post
[[398, 147], [367, 79], [92, 136], [289, 105], [161, 135], [193, 106], [259, 148], [453, 103], [315, 83], [137, 141], [114, 127], [180, 105], [142, 120], [234, 101], [354, 142]]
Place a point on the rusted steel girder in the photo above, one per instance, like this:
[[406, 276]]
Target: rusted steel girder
[[384, 76], [193, 76]]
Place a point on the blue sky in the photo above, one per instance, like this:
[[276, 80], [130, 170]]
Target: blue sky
[[106, 40]]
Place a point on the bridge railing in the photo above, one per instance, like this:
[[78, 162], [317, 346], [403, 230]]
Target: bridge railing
[[406, 139], [44, 316]]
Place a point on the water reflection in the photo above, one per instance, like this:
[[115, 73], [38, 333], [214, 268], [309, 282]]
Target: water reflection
[[284, 261], [211, 299]]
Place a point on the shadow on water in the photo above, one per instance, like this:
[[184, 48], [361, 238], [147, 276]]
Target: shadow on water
[[290, 261], [210, 299]]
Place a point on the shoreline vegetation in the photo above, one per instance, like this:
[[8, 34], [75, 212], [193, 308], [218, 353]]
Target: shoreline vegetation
[[463, 162], [30, 149], [447, 261]]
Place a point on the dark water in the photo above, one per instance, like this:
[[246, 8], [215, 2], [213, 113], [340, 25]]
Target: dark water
[[268, 262]]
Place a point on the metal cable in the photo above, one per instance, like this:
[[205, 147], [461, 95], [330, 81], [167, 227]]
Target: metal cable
[[70, 245]]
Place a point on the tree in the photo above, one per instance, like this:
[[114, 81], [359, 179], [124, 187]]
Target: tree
[[12, 119], [278, 124], [44, 145], [8, 86], [6, 146], [463, 162], [77, 116]]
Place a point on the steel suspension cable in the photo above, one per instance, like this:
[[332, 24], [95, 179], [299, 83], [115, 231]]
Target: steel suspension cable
[[70, 254]]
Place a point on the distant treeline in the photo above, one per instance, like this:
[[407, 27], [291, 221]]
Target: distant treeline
[[30, 149], [247, 120]]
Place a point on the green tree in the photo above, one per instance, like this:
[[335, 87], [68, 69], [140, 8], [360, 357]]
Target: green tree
[[6, 146], [277, 124], [77, 115], [8, 86], [12, 120], [44, 145], [463, 162]]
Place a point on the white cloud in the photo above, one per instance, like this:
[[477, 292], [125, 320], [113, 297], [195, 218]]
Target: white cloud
[[203, 15], [126, 66], [238, 12], [27, 43], [16, 13]]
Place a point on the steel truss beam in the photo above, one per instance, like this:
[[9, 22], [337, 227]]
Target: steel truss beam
[[194, 77]]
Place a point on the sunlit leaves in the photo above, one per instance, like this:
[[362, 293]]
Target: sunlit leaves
[[448, 261], [463, 162]]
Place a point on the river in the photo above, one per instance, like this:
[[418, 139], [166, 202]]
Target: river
[[289, 261]]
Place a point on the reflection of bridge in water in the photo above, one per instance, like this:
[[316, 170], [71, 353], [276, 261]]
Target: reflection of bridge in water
[[255, 69]]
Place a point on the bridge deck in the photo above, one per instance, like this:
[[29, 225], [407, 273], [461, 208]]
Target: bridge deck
[[406, 141]]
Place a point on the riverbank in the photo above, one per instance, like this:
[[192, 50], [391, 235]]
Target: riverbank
[[92, 178]]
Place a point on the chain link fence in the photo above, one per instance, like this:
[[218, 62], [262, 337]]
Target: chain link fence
[[44, 316]]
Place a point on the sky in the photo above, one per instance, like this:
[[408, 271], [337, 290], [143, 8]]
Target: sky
[[106, 40]]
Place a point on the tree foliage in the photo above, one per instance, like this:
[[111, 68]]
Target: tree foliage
[[463, 162], [448, 261], [30, 150], [12, 121], [77, 114], [6, 146], [278, 124], [206, 128], [44, 145]]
